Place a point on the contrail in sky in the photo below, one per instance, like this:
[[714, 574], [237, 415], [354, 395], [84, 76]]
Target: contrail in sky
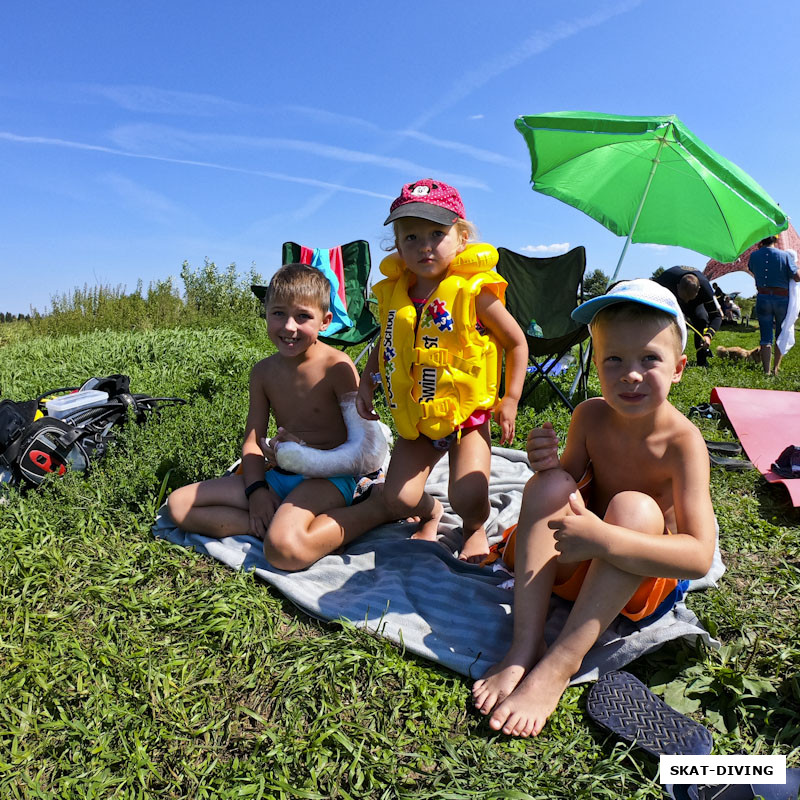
[[537, 43], [278, 176]]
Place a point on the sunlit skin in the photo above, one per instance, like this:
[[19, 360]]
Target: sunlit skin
[[301, 385], [427, 250], [294, 327], [651, 473]]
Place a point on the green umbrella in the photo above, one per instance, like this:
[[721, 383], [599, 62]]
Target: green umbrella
[[650, 179]]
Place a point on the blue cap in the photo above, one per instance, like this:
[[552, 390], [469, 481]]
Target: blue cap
[[640, 290]]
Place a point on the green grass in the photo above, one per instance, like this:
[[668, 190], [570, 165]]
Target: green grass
[[131, 668]]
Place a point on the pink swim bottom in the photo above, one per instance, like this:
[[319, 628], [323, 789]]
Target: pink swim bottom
[[474, 420]]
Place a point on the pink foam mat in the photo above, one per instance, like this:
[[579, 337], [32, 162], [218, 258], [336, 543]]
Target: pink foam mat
[[766, 422]]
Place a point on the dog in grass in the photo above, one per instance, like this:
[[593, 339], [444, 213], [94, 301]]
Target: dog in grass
[[738, 353]]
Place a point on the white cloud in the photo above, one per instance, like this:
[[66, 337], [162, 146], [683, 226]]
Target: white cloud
[[510, 57], [278, 176], [140, 136], [479, 154], [550, 249], [151, 100], [659, 247], [153, 205]]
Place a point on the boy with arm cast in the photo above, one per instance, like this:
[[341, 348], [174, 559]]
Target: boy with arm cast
[[616, 524], [306, 385]]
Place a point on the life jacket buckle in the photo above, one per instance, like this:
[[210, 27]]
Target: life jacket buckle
[[442, 407], [432, 356]]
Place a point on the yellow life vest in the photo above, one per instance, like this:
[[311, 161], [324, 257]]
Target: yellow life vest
[[440, 371]]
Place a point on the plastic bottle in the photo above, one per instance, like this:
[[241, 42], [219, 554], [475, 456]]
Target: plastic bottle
[[534, 329]]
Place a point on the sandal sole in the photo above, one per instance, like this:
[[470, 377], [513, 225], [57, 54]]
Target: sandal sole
[[622, 704]]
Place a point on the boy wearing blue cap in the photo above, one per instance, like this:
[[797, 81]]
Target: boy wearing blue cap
[[617, 524]]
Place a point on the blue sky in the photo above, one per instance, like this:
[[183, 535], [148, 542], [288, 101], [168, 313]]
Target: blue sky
[[135, 136]]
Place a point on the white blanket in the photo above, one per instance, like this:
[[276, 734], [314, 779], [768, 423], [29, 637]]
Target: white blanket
[[418, 595]]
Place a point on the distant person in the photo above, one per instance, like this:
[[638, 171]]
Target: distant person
[[772, 269], [616, 524], [730, 311], [307, 386], [697, 300]]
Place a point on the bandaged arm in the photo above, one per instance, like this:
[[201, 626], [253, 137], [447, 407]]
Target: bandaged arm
[[363, 452]]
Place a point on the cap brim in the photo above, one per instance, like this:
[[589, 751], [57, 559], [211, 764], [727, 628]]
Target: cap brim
[[442, 216], [586, 311]]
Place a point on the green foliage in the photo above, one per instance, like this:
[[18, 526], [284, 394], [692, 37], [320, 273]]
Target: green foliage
[[218, 295], [595, 284], [211, 297], [657, 273], [747, 306], [133, 668]]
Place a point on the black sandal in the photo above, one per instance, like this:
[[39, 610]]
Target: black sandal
[[730, 463], [730, 448]]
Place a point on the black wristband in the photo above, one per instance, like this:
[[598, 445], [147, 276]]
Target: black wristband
[[262, 484]]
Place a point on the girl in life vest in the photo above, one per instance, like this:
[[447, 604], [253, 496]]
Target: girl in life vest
[[444, 329]]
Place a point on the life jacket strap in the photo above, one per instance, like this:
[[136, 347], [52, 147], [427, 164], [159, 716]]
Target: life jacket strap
[[441, 408], [439, 357]]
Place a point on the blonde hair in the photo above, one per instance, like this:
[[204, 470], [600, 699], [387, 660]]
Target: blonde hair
[[462, 226], [636, 312], [299, 283]]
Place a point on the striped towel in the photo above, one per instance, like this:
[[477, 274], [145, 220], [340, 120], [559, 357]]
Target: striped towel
[[419, 595]]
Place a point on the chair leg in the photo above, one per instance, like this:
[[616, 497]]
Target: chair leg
[[366, 351], [582, 377], [539, 376]]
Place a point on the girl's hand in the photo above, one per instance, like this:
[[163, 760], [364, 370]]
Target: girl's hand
[[505, 415], [366, 390], [268, 450], [577, 533], [263, 504], [542, 448]]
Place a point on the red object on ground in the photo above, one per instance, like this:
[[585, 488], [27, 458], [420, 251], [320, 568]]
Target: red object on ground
[[787, 240], [765, 421]]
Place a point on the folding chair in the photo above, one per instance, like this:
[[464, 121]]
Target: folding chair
[[351, 264], [541, 294]]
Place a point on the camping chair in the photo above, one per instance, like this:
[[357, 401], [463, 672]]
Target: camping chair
[[351, 264], [541, 294]]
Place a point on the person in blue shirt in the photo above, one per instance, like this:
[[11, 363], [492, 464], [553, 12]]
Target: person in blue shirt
[[772, 269]]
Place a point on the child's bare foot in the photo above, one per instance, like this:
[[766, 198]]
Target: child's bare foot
[[499, 681], [525, 711], [429, 528], [475, 547]]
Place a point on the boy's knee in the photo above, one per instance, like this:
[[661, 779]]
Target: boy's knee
[[550, 486], [283, 548], [635, 510], [177, 506]]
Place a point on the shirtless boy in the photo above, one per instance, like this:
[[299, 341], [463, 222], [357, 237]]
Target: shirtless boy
[[303, 386], [619, 522]]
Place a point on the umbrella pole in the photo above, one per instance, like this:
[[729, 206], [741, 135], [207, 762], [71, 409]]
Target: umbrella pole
[[656, 162]]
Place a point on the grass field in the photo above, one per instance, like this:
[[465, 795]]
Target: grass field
[[131, 668]]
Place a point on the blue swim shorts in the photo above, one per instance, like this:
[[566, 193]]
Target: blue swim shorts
[[282, 482]]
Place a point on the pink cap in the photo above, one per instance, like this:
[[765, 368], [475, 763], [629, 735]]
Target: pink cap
[[428, 199]]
